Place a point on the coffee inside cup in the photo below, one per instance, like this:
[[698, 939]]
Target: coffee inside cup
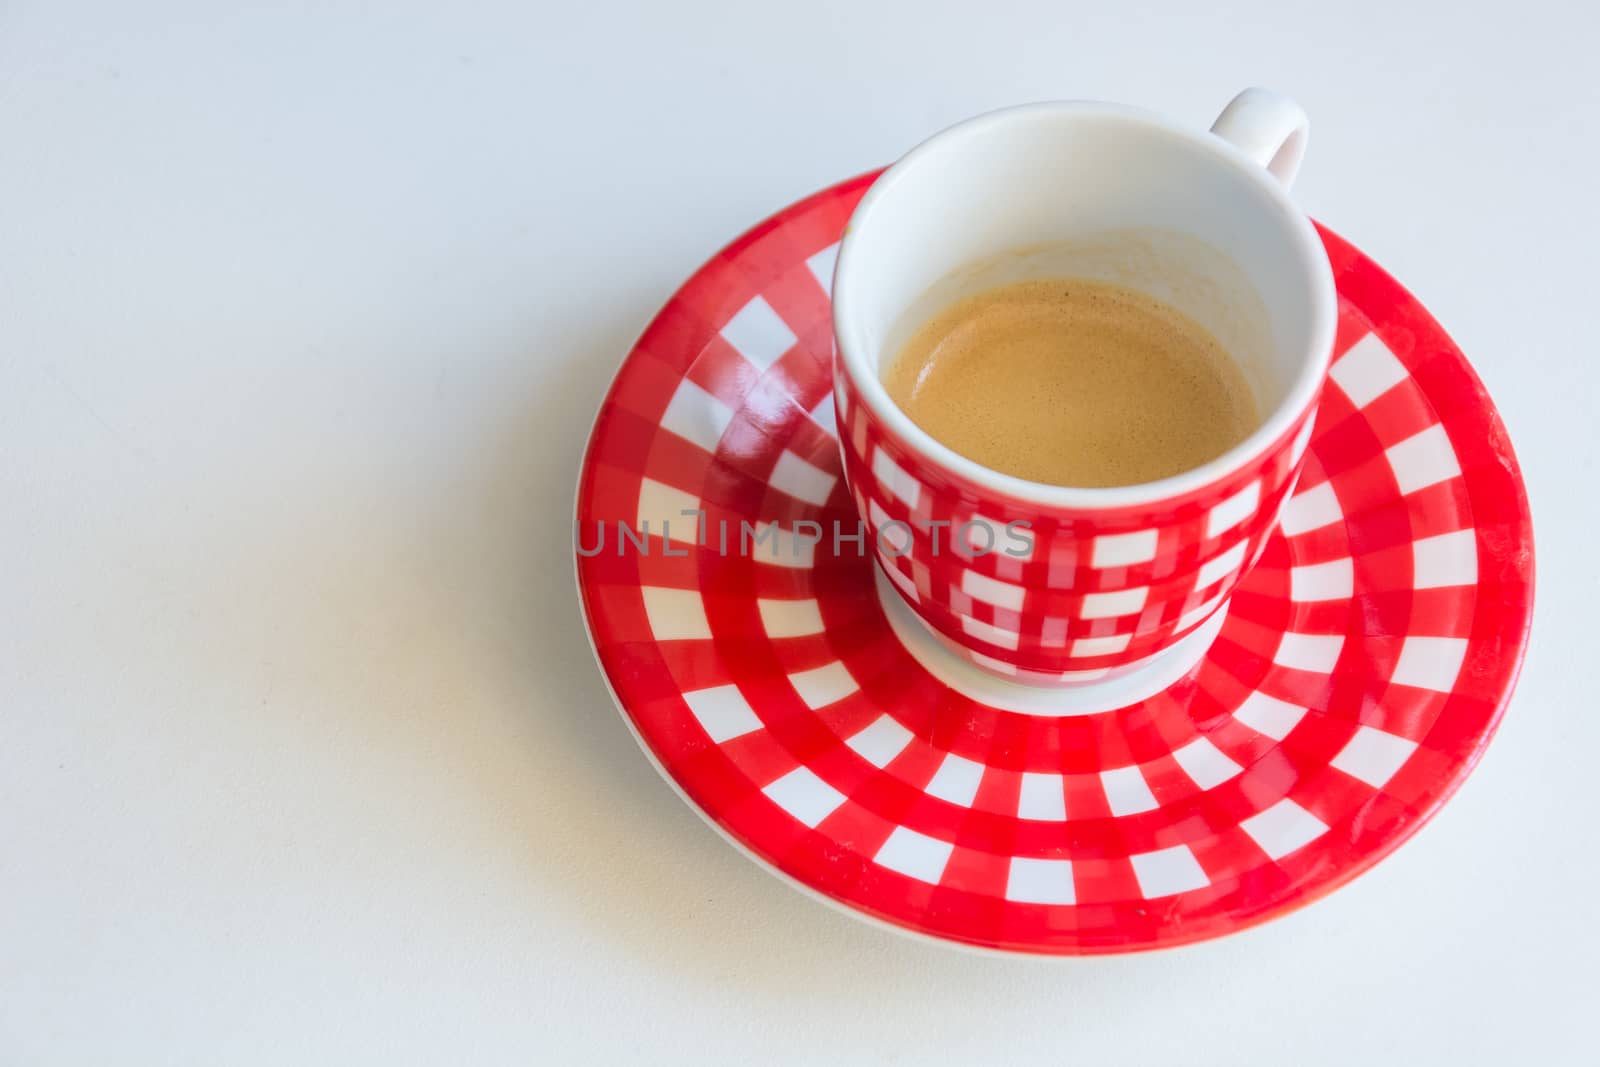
[[1073, 382]]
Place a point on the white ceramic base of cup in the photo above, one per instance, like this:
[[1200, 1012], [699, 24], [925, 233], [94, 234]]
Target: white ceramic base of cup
[[1035, 692]]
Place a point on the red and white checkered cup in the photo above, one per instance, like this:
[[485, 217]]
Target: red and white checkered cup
[[1045, 584]]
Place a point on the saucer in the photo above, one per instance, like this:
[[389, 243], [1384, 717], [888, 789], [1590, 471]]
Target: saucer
[[1350, 685]]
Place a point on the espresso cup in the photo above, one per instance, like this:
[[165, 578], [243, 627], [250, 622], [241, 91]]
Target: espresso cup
[[1044, 584]]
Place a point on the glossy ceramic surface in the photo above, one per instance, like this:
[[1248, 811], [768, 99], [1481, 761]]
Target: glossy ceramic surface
[[1358, 672], [1112, 580]]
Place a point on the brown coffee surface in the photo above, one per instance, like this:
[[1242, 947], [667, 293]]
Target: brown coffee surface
[[1073, 382]]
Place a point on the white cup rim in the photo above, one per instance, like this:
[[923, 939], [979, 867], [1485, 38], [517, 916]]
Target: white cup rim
[[1301, 396]]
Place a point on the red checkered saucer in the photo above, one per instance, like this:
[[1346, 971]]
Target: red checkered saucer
[[1358, 672]]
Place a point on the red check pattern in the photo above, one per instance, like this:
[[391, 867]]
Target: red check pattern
[[1096, 591], [1362, 666]]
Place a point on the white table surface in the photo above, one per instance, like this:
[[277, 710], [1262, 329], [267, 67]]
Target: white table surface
[[304, 313]]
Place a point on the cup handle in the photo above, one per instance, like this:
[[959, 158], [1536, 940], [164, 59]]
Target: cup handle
[[1269, 128]]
